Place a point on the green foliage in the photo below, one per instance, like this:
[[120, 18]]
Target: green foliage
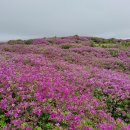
[[120, 65], [113, 53], [28, 61], [1, 96], [90, 123], [24, 125], [66, 46], [106, 46], [38, 128], [102, 45], [44, 122], [18, 98], [97, 40], [101, 42], [108, 43], [98, 94], [117, 107], [93, 44], [64, 125], [28, 42], [3, 119], [52, 102], [29, 109], [19, 41], [125, 44], [13, 95]]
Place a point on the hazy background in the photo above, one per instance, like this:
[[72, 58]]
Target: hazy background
[[46, 18]]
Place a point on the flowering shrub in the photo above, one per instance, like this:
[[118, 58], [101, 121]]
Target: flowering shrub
[[61, 41], [40, 41], [44, 86]]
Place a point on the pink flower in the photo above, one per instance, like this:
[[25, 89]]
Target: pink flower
[[105, 126], [77, 118], [17, 122], [53, 115], [3, 103], [126, 127], [28, 128], [57, 124]]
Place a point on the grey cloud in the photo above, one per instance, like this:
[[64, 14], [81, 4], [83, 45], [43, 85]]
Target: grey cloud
[[39, 18]]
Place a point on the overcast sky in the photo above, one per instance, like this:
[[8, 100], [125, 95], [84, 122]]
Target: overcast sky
[[46, 18]]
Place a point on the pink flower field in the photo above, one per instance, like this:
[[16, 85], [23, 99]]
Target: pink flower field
[[65, 83]]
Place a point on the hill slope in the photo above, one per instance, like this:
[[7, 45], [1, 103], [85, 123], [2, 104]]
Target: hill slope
[[65, 83]]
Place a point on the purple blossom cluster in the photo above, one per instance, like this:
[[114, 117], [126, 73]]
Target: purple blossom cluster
[[43, 86], [61, 41], [40, 41]]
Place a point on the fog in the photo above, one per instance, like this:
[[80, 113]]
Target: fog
[[24, 19]]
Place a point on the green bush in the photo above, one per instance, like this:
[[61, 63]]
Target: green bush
[[66, 46], [114, 53], [125, 44], [3, 119], [102, 40], [19, 41], [44, 121], [120, 65], [97, 40], [93, 45], [28, 42]]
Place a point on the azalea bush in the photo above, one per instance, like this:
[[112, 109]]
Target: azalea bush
[[50, 85]]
